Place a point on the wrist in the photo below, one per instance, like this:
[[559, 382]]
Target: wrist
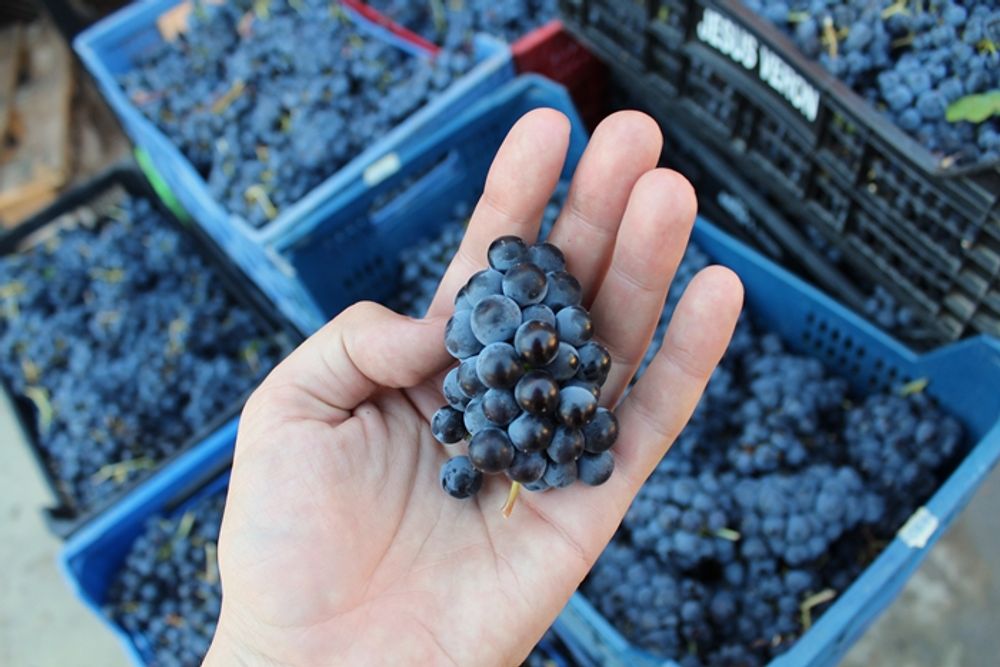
[[226, 650]]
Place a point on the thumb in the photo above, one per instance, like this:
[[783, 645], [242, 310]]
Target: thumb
[[365, 348]]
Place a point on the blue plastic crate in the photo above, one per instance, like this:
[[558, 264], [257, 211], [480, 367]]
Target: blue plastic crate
[[349, 250], [91, 559], [964, 378], [108, 49]]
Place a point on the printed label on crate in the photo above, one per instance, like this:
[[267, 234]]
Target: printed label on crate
[[919, 529], [742, 47], [381, 169]]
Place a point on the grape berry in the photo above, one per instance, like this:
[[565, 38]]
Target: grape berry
[[526, 391]]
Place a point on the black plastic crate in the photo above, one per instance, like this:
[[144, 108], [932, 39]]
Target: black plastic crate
[[66, 516], [928, 233], [733, 204]]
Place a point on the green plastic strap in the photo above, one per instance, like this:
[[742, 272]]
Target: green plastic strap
[[160, 186]]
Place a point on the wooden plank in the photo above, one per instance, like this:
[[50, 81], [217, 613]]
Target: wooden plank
[[30, 203], [37, 160], [10, 65], [96, 138]]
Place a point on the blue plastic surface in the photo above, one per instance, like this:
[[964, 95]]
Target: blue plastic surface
[[108, 49], [964, 377], [350, 249], [92, 557]]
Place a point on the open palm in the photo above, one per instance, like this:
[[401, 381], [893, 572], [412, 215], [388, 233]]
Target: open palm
[[338, 545]]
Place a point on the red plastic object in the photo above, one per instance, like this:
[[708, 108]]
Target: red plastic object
[[380, 19], [554, 53], [549, 50]]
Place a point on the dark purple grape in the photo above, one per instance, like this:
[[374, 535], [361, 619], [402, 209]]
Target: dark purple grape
[[591, 387], [536, 342], [565, 363], [564, 290], [602, 431], [474, 418], [560, 475], [540, 313], [567, 445], [537, 393], [527, 467], [483, 284], [499, 366], [459, 478], [462, 301], [500, 407], [448, 425], [595, 363], [547, 257], [506, 252], [490, 450], [495, 319], [574, 325], [468, 380], [576, 406], [538, 485], [595, 469], [526, 284], [531, 433], [458, 336], [452, 390]]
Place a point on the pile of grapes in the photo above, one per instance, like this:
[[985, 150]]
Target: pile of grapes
[[125, 341], [526, 391], [269, 99], [168, 590], [774, 498], [451, 24], [912, 61]]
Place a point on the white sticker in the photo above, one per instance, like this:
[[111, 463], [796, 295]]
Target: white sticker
[[381, 169], [280, 262], [919, 528], [729, 39], [788, 83]]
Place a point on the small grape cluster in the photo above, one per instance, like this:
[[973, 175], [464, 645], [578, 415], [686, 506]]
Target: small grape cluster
[[774, 497], [123, 341], [269, 99], [527, 388], [168, 589], [911, 62], [451, 24]]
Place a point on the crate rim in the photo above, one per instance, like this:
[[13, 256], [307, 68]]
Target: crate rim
[[893, 138]]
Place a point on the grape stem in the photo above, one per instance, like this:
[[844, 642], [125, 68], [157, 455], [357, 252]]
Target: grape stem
[[508, 507]]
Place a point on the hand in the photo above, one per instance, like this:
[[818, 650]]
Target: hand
[[338, 544]]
